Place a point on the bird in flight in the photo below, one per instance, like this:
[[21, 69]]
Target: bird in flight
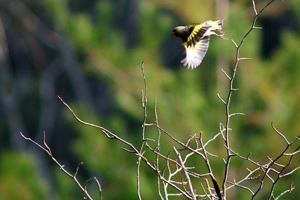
[[195, 38]]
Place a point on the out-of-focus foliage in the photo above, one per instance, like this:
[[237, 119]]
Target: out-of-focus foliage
[[90, 53], [19, 178]]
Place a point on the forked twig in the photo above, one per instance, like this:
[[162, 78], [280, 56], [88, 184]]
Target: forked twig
[[47, 149]]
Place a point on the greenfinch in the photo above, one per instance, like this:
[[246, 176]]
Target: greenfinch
[[195, 38]]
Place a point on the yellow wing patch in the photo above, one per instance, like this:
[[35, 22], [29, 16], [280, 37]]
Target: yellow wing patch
[[197, 33]]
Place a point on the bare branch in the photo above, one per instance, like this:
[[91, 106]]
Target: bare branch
[[225, 73], [62, 167], [281, 135], [191, 189], [230, 93], [223, 101]]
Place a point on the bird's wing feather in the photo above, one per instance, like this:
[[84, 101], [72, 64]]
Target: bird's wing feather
[[195, 53]]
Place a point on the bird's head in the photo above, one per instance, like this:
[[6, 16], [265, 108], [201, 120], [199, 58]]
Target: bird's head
[[180, 31]]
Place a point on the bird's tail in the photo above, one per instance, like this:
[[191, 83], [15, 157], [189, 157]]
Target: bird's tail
[[216, 28], [217, 25]]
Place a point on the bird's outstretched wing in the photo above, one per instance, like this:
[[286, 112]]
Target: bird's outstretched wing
[[195, 53], [197, 42]]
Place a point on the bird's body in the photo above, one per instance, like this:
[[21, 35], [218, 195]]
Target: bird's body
[[195, 38]]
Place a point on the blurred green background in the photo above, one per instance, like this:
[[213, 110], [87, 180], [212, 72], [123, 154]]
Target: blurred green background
[[90, 54]]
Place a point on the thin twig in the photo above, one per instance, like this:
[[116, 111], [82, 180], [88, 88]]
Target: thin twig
[[62, 167]]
